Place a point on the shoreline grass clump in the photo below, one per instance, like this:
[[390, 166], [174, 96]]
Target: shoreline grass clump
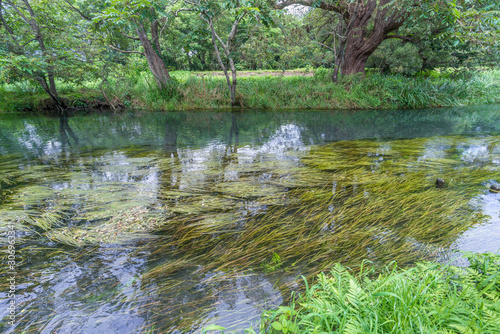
[[208, 91], [428, 298], [376, 91]]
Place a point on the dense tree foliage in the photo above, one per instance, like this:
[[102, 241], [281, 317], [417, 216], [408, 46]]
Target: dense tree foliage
[[73, 40], [142, 21], [42, 41], [362, 25], [217, 15]]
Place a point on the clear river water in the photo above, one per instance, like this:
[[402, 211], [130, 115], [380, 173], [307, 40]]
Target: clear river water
[[168, 222]]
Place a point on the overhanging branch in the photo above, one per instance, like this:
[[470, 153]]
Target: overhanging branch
[[404, 38], [131, 37], [124, 51], [338, 6], [324, 45], [86, 17]]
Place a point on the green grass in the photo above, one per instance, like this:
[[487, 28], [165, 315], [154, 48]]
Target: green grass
[[205, 90], [24, 97], [428, 298]]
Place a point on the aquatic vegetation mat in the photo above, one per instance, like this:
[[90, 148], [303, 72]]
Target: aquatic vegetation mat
[[201, 225]]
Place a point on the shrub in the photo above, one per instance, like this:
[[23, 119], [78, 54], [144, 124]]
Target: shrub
[[428, 298]]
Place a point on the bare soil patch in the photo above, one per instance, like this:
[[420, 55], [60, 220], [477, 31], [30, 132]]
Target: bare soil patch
[[261, 74]]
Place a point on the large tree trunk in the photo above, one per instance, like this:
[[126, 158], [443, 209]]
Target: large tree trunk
[[155, 62], [41, 78], [355, 65], [226, 47], [158, 68], [369, 24], [52, 92]]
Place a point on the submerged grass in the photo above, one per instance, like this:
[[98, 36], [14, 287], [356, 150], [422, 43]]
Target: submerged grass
[[218, 219], [345, 201], [428, 298], [123, 227], [188, 91]]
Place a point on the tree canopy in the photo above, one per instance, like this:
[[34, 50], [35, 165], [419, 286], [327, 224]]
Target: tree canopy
[[73, 40]]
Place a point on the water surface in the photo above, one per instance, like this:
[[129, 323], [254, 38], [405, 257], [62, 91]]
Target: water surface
[[168, 222]]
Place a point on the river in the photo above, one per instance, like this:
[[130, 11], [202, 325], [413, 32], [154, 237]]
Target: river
[[168, 222]]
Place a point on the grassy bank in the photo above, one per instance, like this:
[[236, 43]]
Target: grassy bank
[[299, 89], [428, 298]]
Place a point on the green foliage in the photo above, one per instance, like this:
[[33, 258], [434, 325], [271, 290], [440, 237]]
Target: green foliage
[[15, 67], [396, 57], [188, 90], [123, 13], [430, 297], [273, 264], [456, 34], [28, 97], [322, 73], [23, 58], [210, 328], [34, 50], [189, 45], [436, 34]]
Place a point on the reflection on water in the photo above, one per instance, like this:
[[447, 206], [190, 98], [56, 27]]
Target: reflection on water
[[168, 222], [484, 237]]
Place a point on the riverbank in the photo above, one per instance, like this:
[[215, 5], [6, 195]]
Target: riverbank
[[299, 89], [428, 298]]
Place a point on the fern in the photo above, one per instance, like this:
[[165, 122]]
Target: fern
[[429, 298]]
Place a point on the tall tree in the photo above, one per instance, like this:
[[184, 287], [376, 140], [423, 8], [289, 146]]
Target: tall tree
[[42, 41], [362, 25], [236, 11], [142, 21], [27, 53]]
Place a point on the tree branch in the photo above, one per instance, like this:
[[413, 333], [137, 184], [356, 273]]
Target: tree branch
[[88, 18], [338, 6], [28, 42], [404, 38], [19, 12], [217, 53], [232, 34], [10, 31], [215, 35], [184, 10], [325, 46], [123, 51], [131, 37]]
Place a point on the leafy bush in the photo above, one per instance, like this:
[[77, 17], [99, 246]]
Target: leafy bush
[[273, 264], [322, 73], [396, 57], [429, 298]]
